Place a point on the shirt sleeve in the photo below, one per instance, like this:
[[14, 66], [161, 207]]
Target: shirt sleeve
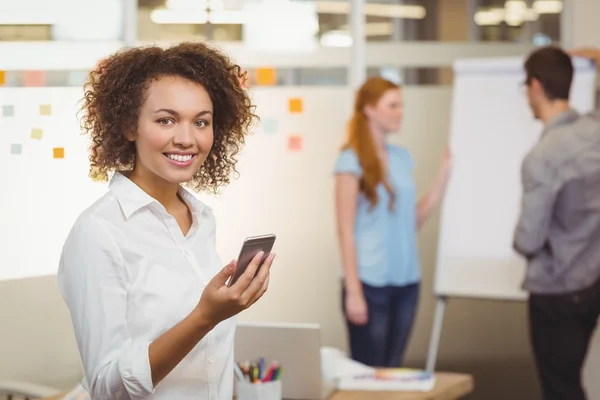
[[92, 280], [540, 188], [348, 163]]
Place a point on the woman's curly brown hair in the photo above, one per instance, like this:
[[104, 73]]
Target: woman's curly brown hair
[[118, 87]]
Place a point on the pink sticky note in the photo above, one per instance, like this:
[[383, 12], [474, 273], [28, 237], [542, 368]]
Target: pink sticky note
[[35, 78]]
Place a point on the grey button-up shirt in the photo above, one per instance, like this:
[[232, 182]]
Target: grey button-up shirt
[[559, 227]]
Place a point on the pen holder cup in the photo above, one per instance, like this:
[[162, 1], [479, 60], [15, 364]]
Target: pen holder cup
[[259, 391]]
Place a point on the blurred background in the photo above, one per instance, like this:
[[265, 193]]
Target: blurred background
[[303, 49], [322, 23]]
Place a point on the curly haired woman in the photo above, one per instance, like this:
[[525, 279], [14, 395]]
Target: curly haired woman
[[378, 216], [152, 314]]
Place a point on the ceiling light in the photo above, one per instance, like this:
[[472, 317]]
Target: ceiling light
[[489, 17], [515, 5], [514, 15], [336, 39], [374, 10], [165, 16], [548, 6], [194, 5]]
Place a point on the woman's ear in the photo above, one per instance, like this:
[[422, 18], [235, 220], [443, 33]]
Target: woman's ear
[[131, 136], [368, 110]]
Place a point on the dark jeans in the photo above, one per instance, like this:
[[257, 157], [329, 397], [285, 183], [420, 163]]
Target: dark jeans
[[561, 327], [382, 341]]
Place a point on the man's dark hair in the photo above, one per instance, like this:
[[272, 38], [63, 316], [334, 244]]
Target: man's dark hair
[[553, 68]]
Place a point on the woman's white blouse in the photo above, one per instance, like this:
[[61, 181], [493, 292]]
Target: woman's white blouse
[[128, 274]]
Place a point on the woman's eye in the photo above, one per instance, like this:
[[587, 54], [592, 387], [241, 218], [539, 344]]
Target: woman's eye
[[202, 124], [165, 121]]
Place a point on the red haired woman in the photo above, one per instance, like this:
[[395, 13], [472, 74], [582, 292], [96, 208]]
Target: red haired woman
[[378, 217]]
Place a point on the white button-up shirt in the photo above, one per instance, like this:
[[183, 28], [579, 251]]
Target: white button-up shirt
[[128, 274]]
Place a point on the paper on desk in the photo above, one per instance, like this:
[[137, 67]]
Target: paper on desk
[[343, 373], [335, 364], [390, 379]]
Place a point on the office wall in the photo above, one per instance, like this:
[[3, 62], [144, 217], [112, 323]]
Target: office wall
[[584, 17]]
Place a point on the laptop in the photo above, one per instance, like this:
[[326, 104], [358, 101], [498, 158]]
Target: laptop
[[294, 346]]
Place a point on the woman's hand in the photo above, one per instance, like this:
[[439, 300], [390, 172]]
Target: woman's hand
[[431, 200], [587, 52], [446, 165], [356, 308], [219, 302]]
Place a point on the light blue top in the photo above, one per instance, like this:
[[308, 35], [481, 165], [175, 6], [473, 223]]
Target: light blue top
[[386, 243]]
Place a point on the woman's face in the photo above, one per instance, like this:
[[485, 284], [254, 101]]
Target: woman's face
[[175, 130], [386, 115]]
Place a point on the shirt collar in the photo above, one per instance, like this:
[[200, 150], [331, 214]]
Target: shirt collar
[[132, 198], [564, 117]]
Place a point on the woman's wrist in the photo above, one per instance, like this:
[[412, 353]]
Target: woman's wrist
[[353, 286], [201, 321]]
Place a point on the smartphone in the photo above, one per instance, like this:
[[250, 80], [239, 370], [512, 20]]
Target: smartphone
[[251, 247]]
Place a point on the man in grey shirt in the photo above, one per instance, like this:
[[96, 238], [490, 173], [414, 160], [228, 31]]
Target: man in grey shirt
[[559, 227]]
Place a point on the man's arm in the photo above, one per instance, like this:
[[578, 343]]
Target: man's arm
[[594, 55], [540, 188]]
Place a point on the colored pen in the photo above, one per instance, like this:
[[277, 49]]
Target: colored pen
[[261, 368], [270, 372], [238, 372], [277, 373]]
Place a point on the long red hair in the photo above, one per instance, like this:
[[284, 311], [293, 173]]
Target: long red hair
[[361, 141]]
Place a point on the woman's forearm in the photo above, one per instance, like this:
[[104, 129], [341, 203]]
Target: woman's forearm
[[352, 282], [430, 201], [169, 349]]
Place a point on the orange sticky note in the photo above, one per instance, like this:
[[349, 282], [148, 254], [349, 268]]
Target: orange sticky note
[[266, 76], [2, 78], [35, 78], [59, 152], [295, 143], [295, 105]]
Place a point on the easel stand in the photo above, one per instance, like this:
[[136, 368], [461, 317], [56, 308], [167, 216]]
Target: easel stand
[[436, 333]]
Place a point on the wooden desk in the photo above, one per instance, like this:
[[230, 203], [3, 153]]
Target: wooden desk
[[448, 386]]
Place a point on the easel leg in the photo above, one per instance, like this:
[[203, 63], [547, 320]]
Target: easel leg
[[436, 334]]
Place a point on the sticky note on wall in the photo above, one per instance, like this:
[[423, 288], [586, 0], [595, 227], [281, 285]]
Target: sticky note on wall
[[266, 76], [35, 78], [295, 142], [295, 105], [58, 152], [269, 125], [37, 134], [16, 148], [2, 78], [45, 109], [8, 110]]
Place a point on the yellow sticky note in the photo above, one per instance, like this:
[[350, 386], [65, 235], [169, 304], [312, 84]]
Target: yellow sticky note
[[295, 105], [266, 76], [2, 78], [45, 109], [37, 133], [59, 152]]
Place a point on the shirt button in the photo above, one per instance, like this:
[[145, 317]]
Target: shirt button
[[211, 360]]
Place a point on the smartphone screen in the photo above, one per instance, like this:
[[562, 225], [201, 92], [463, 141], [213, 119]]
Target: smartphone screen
[[251, 247]]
